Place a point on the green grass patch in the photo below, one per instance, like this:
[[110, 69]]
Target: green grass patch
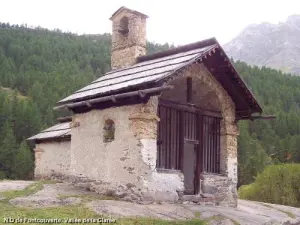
[[197, 214]]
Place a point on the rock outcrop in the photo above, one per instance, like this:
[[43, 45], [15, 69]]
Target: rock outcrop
[[265, 44]]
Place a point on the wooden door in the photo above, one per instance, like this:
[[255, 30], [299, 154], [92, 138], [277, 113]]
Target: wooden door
[[190, 152], [189, 166]]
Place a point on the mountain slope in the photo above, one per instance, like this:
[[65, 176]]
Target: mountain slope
[[276, 46]]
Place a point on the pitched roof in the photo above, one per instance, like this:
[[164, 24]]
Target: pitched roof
[[153, 69], [146, 71], [60, 130], [127, 9]]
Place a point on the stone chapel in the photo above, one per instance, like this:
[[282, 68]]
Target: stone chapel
[[160, 127]]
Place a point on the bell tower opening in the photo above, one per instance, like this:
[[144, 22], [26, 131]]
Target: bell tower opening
[[123, 28]]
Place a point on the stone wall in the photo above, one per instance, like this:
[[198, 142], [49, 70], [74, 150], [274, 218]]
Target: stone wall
[[52, 158], [203, 95], [126, 57], [124, 167]]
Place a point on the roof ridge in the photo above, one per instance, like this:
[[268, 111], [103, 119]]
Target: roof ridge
[[183, 48]]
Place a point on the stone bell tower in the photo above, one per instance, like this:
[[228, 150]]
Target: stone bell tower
[[128, 37]]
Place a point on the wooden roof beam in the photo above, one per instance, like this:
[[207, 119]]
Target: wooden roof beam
[[260, 117], [113, 98]]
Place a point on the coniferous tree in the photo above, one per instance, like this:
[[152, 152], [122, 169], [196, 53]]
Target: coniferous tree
[[23, 162], [8, 150]]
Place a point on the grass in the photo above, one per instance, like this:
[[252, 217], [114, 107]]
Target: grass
[[72, 212], [197, 214]]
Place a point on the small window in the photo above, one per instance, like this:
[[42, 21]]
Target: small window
[[109, 131]]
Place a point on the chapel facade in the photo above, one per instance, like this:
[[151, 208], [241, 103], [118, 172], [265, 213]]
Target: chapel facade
[[160, 127]]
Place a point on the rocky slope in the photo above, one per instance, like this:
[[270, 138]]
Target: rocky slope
[[38, 200], [276, 46]]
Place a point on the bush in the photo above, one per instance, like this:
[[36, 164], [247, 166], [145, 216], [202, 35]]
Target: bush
[[278, 184]]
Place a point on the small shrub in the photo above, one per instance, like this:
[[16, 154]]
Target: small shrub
[[278, 184]]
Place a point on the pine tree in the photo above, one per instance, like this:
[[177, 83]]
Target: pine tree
[[49, 117], [24, 162], [8, 150]]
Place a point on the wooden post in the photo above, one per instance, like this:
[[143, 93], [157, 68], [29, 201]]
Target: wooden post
[[189, 90], [181, 138]]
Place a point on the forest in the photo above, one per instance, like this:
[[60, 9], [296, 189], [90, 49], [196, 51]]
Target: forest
[[38, 67]]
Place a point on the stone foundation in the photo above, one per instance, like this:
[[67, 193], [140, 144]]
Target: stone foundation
[[170, 186], [216, 190], [165, 186], [219, 188]]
